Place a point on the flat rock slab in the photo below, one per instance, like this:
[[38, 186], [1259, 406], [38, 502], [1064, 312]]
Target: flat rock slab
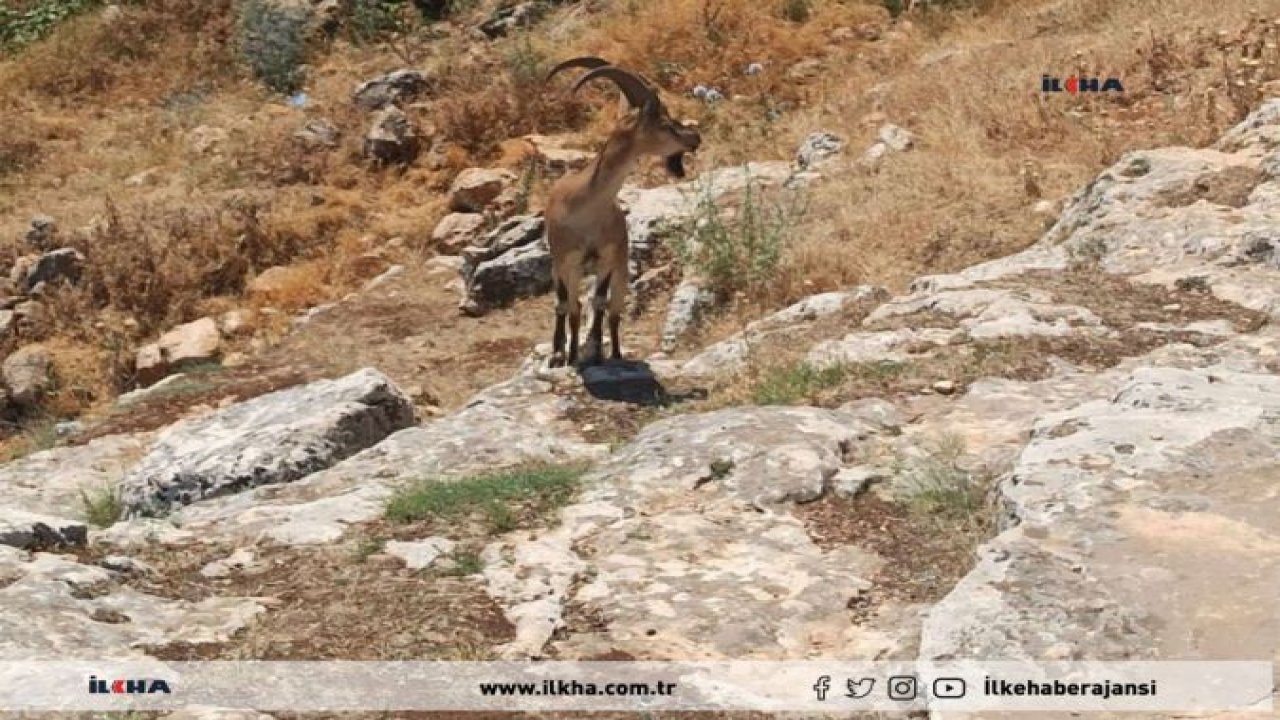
[[1141, 526], [516, 422], [54, 608], [682, 546], [50, 482], [271, 439]]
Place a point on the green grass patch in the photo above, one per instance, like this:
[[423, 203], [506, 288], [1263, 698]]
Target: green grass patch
[[503, 499], [792, 384]]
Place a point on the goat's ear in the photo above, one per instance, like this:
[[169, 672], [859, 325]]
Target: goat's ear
[[652, 108]]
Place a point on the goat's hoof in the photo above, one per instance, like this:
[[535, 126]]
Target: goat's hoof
[[556, 361]]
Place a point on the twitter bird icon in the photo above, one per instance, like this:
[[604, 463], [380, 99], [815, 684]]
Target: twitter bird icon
[[860, 688]]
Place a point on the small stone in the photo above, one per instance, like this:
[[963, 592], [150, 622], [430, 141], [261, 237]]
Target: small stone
[[476, 188], [192, 343], [896, 138], [394, 87], [239, 561], [944, 387], [392, 137], [420, 554], [456, 231], [126, 564], [42, 236], [318, 134]]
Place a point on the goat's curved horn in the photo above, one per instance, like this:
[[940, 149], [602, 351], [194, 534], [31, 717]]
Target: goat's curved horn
[[586, 61], [638, 93]]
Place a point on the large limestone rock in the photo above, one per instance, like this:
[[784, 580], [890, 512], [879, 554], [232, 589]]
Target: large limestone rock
[[275, 438], [1201, 218], [1142, 525], [47, 487], [53, 608], [732, 354], [682, 547], [520, 421]]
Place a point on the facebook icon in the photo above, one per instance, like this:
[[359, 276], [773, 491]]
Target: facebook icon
[[822, 687]]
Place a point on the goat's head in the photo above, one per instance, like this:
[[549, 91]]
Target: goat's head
[[653, 130]]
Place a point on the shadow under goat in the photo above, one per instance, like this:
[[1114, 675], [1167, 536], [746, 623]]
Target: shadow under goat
[[633, 382]]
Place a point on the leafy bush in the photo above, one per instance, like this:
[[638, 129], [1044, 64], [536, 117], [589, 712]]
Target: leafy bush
[[739, 249], [20, 27], [273, 43]]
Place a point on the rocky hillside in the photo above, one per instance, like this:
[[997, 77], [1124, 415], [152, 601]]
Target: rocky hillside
[[177, 209], [1093, 419]]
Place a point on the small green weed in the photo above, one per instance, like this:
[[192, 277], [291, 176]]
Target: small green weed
[[101, 507], [941, 489], [462, 562]]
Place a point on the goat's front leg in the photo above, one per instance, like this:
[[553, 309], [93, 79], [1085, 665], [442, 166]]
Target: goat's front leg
[[557, 339]]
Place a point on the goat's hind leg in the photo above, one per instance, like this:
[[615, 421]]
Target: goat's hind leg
[[617, 303], [594, 351], [568, 303]]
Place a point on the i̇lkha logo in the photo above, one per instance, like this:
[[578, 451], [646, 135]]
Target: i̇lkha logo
[[136, 686], [1080, 84]]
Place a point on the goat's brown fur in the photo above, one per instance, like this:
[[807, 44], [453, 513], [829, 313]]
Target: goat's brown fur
[[584, 224]]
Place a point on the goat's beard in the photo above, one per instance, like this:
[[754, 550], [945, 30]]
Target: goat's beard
[[675, 164]]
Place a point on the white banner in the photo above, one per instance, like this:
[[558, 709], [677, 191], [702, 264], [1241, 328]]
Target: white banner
[[815, 686]]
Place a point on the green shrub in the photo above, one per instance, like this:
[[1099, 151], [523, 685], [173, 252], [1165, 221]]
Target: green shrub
[[739, 249], [20, 27], [941, 489], [273, 43]]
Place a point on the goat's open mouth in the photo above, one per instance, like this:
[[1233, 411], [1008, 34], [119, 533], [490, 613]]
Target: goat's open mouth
[[675, 164]]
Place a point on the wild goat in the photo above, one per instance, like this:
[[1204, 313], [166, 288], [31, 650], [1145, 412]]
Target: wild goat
[[585, 226]]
